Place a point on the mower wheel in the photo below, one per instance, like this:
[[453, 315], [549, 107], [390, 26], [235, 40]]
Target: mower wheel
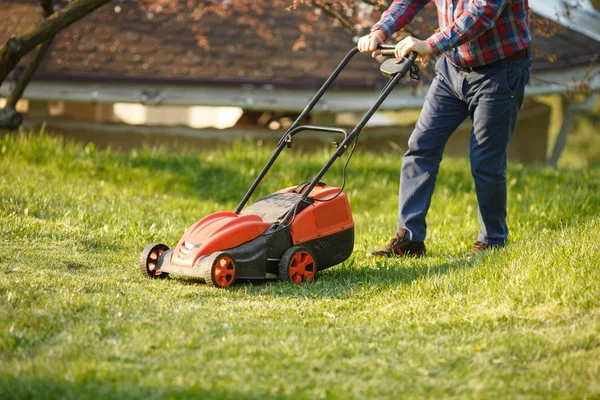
[[149, 258], [220, 270], [297, 265]]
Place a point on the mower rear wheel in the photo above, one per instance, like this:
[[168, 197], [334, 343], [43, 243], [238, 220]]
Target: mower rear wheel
[[298, 265], [220, 270], [149, 259]]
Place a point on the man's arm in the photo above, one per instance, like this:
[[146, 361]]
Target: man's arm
[[398, 15], [475, 20]]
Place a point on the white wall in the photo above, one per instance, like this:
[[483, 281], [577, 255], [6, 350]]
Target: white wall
[[195, 117]]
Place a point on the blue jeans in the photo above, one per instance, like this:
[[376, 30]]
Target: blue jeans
[[492, 99]]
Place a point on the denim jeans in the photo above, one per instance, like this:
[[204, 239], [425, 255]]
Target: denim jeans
[[492, 99]]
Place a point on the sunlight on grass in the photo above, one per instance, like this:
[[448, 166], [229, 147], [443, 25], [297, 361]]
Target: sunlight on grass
[[77, 320]]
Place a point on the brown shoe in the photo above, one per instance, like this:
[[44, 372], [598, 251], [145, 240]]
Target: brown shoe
[[399, 246], [478, 247]]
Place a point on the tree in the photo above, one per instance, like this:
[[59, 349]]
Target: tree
[[39, 36]]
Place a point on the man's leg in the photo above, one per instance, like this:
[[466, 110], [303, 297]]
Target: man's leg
[[442, 112], [497, 96]]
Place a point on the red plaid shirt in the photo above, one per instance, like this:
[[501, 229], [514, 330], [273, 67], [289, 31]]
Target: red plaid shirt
[[472, 32]]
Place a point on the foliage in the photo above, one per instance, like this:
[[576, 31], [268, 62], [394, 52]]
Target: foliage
[[77, 320], [352, 15]]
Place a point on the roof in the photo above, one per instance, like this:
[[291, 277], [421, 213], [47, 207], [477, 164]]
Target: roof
[[122, 43], [577, 15]]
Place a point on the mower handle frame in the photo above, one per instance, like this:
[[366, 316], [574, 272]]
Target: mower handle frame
[[296, 127]]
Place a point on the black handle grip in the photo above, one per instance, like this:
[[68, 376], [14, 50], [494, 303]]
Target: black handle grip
[[389, 50], [386, 49]]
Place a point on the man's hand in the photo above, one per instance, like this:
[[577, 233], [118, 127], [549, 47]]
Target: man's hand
[[409, 44], [369, 43]]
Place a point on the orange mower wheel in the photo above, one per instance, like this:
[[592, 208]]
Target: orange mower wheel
[[149, 259], [297, 265], [220, 270]]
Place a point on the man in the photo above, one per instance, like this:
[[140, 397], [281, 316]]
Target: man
[[481, 73]]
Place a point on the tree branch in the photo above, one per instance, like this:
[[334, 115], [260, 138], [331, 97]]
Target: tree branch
[[336, 15], [16, 48], [378, 4], [24, 79]]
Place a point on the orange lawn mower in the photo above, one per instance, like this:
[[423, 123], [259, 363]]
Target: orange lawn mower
[[288, 235]]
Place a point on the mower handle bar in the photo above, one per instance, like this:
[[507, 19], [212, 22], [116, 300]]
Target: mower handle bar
[[387, 49]]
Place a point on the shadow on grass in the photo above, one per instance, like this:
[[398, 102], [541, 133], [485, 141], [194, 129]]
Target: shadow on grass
[[33, 388], [343, 281]]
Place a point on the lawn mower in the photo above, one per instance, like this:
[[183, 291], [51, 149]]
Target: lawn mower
[[288, 235]]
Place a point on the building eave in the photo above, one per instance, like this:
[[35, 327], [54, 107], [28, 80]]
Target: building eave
[[266, 97], [249, 97]]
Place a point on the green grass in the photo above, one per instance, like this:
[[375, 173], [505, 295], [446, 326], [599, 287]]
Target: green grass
[[77, 320]]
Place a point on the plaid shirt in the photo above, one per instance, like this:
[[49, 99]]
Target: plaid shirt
[[472, 32]]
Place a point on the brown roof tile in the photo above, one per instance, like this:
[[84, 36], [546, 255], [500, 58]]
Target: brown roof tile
[[129, 46]]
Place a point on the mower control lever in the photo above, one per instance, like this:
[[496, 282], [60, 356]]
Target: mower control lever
[[298, 129]]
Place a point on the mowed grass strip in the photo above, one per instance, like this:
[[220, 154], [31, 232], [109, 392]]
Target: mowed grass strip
[[77, 320]]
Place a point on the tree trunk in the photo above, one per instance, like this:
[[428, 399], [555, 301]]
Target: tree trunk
[[16, 48], [26, 76], [24, 79]]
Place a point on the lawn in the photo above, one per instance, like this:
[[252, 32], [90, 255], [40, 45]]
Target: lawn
[[77, 319]]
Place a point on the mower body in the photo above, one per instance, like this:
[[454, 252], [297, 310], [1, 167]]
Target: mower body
[[257, 239]]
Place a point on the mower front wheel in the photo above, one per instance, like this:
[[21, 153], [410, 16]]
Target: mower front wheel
[[298, 265], [220, 270], [149, 260]]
